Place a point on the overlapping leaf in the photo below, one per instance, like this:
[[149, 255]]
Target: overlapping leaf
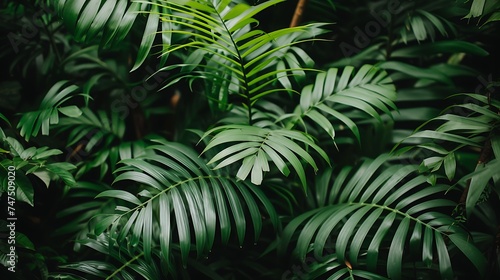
[[31, 123], [424, 25], [110, 21], [76, 217], [483, 8], [123, 262], [32, 161], [256, 146], [94, 128], [369, 91], [331, 267], [98, 130], [229, 55], [184, 201], [378, 216], [466, 125]]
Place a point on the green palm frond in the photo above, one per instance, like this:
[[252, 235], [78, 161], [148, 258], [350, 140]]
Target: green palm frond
[[31, 123], [181, 198], [264, 115], [108, 156], [483, 8], [110, 21], [229, 55], [98, 130], [96, 127], [423, 25], [123, 263], [429, 85], [375, 216], [369, 90], [257, 146], [468, 125]]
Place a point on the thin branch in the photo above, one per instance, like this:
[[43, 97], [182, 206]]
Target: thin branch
[[299, 11]]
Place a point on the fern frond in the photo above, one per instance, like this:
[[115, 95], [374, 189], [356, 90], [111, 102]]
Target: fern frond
[[229, 55], [31, 123], [369, 90], [467, 125], [371, 209], [181, 197], [257, 146]]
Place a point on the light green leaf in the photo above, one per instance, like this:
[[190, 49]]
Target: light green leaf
[[450, 166], [71, 111], [120, 194], [478, 182], [148, 36]]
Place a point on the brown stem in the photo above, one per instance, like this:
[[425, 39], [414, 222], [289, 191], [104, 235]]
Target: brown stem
[[299, 11], [76, 151]]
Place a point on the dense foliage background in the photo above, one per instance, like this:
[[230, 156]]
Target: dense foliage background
[[219, 139]]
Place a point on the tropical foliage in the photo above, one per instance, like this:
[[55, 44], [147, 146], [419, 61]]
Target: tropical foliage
[[212, 139]]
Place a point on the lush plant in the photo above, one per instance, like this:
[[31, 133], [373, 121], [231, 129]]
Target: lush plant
[[206, 139]]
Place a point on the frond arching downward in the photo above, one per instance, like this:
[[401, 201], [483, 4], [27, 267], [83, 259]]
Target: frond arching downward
[[376, 216], [31, 123], [257, 146], [230, 55], [110, 21], [181, 199], [369, 90]]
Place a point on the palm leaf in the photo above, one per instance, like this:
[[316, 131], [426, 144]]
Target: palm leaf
[[423, 25], [369, 91], [31, 123], [375, 216], [183, 200], [257, 146], [109, 22], [95, 127], [469, 125], [98, 130], [123, 263], [230, 56], [76, 217]]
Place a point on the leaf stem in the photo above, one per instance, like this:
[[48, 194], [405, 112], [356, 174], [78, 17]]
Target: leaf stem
[[384, 207], [125, 265], [299, 12], [243, 70]]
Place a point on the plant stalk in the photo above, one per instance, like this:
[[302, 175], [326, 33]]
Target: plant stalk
[[299, 11]]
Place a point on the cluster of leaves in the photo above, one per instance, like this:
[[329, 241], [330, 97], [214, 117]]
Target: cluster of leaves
[[267, 140], [22, 169]]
